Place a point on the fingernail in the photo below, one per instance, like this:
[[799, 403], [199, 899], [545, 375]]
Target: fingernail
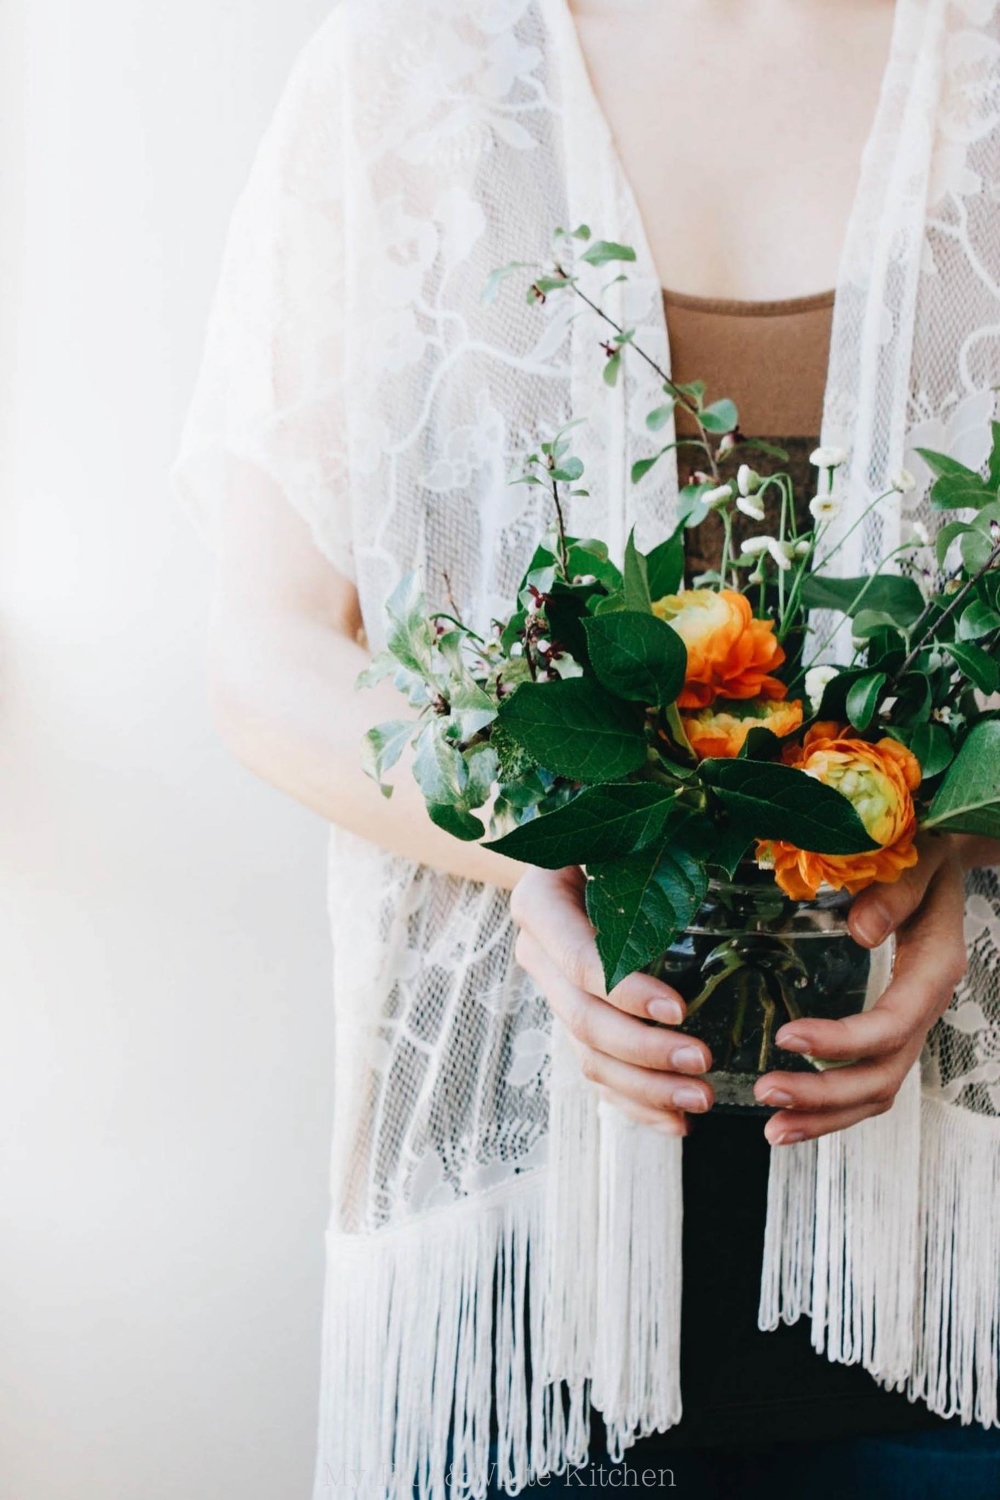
[[791, 1041], [667, 1012], [686, 1098], [790, 1138], [777, 1097], [872, 925], [689, 1059]]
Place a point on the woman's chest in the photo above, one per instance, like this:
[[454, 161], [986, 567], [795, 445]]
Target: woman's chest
[[740, 127]]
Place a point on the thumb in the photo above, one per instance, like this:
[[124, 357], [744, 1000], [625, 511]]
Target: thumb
[[882, 908]]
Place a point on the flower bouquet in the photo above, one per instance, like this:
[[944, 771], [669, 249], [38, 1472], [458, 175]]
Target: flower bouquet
[[726, 787]]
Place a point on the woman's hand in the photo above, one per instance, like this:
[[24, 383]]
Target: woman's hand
[[925, 909], [649, 1072]]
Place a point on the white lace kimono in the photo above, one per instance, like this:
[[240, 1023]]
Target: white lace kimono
[[418, 145]]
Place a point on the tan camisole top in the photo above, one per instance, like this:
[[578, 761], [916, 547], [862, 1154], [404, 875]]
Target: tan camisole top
[[771, 359]]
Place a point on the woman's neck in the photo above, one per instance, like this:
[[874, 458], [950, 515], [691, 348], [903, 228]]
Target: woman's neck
[[740, 125]]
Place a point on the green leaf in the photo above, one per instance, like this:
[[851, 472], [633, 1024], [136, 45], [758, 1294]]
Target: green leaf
[[642, 466], [994, 475], [779, 802], [639, 904], [574, 728], [602, 822], [636, 655], [695, 389], [612, 366], [409, 636], [665, 566], [976, 621], [660, 416], [976, 548], [960, 491], [887, 592], [983, 671], [930, 743], [568, 471], [940, 464], [946, 536], [968, 800], [496, 278], [601, 252], [863, 698], [636, 578], [381, 748], [760, 744], [443, 776], [729, 846], [721, 416]]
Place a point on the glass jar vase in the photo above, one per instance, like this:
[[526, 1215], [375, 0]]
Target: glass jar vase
[[753, 959]]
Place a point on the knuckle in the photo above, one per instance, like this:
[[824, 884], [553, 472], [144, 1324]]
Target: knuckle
[[589, 1066]]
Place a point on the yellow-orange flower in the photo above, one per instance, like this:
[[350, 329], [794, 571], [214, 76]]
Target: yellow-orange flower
[[721, 730], [730, 652], [879, 781]]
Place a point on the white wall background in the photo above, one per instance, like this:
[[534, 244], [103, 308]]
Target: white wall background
[[166, 1036]]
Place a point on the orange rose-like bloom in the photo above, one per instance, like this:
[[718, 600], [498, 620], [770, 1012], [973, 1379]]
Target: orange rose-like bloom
[[878, 780], [722, 730], [730, 652]]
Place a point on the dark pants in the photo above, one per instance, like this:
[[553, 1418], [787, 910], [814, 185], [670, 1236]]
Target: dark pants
[[957, 1464]]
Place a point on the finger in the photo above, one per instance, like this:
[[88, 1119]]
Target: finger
[[882, 908], [548, 904], [838, 1088], [669, 1122], [644, 1086], [930, 961], [599, 1026], [788, 1129]]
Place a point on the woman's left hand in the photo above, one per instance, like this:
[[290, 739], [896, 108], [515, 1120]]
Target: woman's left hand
[[925, 909]]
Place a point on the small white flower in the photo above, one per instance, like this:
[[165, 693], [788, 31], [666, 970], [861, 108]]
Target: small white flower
[[751, 507], [747, 479], [757, 576], [517, 649], [828, 458], [920, 534], [904, 482], [782, 553], [754, 546], [943, 715], [717, 498], [816, 683], [542, 645], [824, 507], [803, 548]]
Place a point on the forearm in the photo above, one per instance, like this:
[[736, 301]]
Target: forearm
[[285, 702]]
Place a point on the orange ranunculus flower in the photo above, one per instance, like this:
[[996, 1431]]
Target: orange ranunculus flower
[[879, 781], [730, 652], [722, 729]]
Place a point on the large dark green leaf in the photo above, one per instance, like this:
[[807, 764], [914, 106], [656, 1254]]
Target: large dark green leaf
[[977, 620], [637, 656], [981, 669], [863, 697], [930, 743], [665, 566], [639, 904], [603, 822], [574, 728], [779, 802], [968, 800], [888, 593], [636, 577]]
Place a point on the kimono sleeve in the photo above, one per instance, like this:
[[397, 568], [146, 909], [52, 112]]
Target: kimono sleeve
[[270, 385]]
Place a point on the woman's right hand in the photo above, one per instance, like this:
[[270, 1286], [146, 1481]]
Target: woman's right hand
[[649, 1072]]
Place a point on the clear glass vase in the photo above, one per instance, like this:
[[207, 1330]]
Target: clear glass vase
[[753, 959]]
